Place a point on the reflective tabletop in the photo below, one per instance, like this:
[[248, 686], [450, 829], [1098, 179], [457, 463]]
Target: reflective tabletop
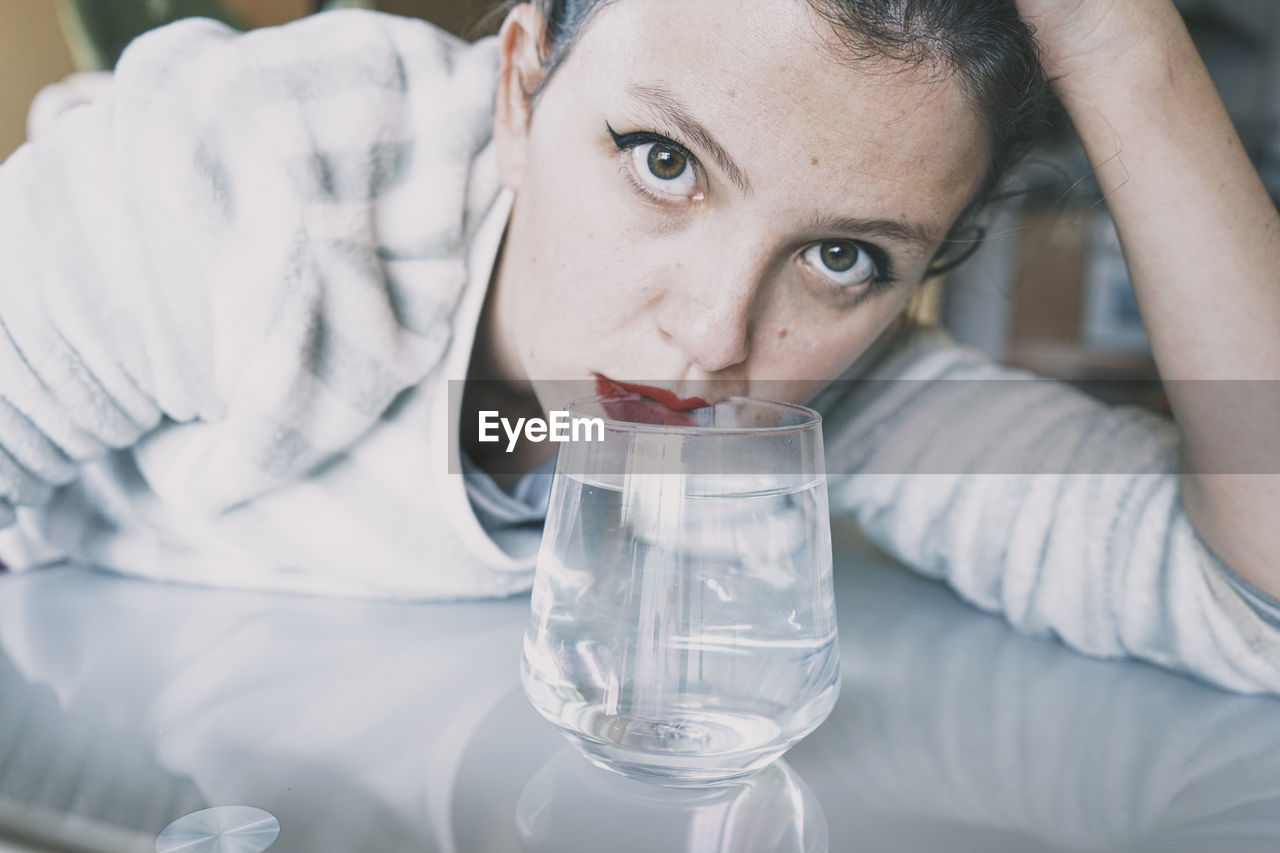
[[312, 724]]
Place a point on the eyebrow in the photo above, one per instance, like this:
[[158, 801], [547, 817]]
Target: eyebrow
[[918, 236], [665, 102]]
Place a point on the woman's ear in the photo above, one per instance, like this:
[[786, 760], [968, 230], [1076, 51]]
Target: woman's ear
[[519, 73]]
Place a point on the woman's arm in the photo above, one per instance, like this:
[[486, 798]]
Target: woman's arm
[[1033, 500], [1201, 239]]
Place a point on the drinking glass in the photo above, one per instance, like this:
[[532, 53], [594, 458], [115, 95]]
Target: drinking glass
[[682, 622]]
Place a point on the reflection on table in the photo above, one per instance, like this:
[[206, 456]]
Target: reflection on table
[[124, 705], [572, 806]]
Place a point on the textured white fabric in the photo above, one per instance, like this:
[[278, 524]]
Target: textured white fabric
[[231, 319], [238, 288]]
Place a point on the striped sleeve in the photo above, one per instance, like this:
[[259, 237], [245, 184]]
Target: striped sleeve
[[1034, 500], [229, 256]]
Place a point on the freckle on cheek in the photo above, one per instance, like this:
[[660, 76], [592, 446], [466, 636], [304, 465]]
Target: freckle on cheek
[[782, 333], [813, 162]]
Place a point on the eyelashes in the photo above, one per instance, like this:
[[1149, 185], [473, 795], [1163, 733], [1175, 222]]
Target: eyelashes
[[630, 140]]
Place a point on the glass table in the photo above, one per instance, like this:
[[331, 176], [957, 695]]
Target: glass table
[[365, 726]]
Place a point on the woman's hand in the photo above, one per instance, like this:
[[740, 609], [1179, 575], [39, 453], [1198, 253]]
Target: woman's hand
[[1085, 40], [1201, 241]]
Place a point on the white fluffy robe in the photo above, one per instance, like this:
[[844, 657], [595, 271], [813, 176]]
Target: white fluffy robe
[[231, 312]]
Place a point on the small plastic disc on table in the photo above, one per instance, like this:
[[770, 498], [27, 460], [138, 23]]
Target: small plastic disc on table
[[222, 829]]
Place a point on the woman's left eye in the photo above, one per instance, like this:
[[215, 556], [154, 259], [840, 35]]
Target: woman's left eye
[[843, 262]]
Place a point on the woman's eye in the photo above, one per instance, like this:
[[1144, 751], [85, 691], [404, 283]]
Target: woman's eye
[[845, 263], [663, 168]]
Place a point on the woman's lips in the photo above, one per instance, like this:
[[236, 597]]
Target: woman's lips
[[607, 387], [647, 404]]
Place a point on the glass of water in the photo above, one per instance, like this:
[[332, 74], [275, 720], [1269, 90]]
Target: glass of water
[[682, 620]]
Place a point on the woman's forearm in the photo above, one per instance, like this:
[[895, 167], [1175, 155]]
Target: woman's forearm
[[1201, 239]]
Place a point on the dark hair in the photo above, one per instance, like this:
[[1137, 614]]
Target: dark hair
[[983, 42]]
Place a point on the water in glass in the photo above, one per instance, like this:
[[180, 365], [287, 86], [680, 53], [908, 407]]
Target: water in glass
[[683, 624]]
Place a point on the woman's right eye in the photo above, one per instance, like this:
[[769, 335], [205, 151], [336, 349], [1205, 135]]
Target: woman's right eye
[[663, 168], [659, 166]]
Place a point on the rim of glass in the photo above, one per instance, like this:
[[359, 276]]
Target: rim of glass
[[812, 417]]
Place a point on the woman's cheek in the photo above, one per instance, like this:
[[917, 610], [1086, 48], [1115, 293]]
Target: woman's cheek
[[819, 353]]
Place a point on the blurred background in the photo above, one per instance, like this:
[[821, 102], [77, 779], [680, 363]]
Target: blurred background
[[1046, 291], [42, 41]]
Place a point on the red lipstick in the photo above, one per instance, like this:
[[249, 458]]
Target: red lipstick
[[646, 404], [607, 387]]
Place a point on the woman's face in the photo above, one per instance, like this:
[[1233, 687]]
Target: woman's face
[[708, 198]]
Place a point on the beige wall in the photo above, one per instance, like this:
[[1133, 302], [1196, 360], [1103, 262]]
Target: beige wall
[[32, 53]]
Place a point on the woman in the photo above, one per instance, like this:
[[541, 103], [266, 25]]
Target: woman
[[288, 237]]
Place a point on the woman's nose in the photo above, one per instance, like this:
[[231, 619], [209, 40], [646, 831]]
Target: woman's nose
[[710, 323]]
